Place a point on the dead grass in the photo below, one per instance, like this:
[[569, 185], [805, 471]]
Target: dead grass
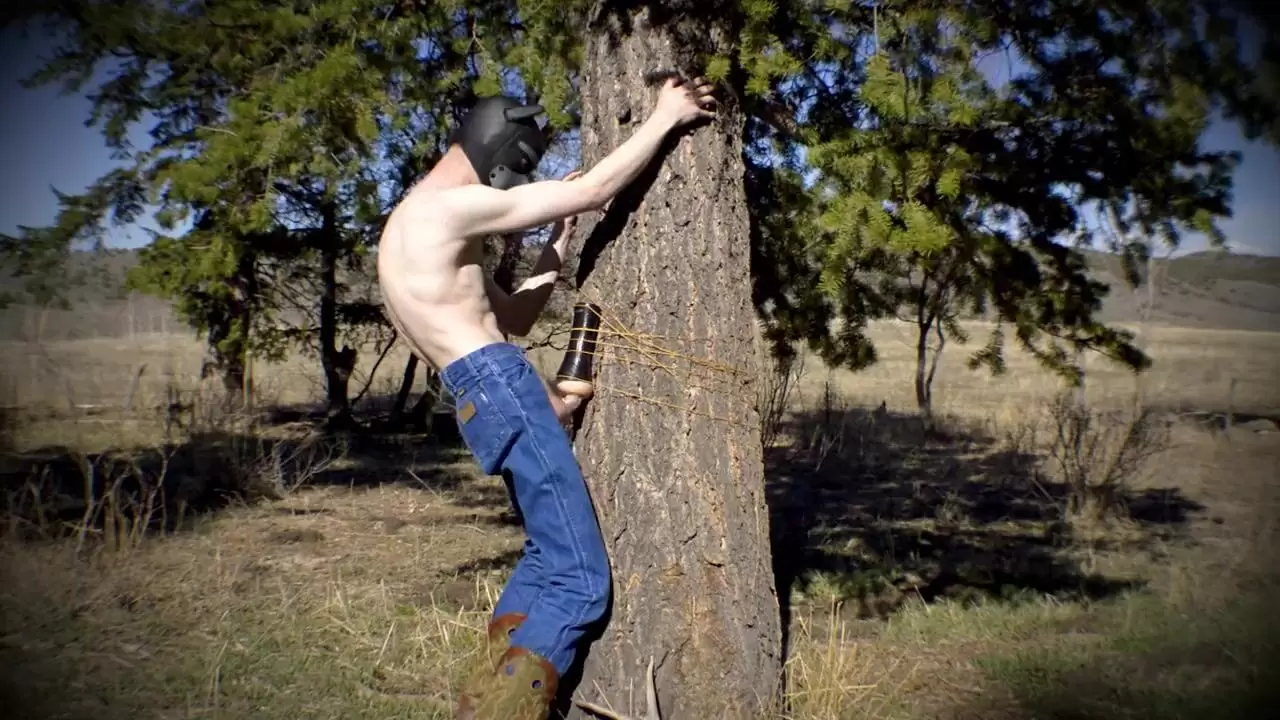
[[326, 606], [1194, 369], [938, 574]]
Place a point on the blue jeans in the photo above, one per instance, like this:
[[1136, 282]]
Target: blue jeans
[[562, 581]]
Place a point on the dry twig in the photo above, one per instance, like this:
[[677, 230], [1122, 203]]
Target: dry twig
[[651, 702]]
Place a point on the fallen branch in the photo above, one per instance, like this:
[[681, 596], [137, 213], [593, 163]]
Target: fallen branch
[[651, 702]]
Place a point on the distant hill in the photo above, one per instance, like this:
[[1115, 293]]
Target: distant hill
[[1204, 290], [1208, 290], [102, 308], [100, 305]]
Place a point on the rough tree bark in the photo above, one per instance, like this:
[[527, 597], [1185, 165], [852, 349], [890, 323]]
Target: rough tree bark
[[671, 445]]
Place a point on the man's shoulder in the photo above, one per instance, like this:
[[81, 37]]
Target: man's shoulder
[[439, 211], [422, 200], [449, 199], [437, 204]]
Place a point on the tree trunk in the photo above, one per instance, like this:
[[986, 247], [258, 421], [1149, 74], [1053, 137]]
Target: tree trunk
[[670, 444], [228, 344], [440, 426], [416, 416], [338, 364], [924, 391], [234, 378], [430, 394], [402, 395]]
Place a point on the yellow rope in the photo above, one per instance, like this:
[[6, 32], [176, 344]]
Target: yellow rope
[[653, 351]]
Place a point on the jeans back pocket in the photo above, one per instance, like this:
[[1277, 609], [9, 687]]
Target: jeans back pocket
[[485, 426]]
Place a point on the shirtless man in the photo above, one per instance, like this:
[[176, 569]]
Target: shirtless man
[[454, 317]]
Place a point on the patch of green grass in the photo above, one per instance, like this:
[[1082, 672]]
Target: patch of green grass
[[1016, 618], [1152, 660]]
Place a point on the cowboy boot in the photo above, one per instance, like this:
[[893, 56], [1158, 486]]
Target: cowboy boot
[[574, 376], [522, 688], [497, 642]]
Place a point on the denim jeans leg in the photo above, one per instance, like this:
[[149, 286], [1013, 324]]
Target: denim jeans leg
[[507, 421], [560, 522], [522, 588]]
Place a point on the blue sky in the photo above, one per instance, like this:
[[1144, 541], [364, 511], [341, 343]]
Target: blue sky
[[44, 143]]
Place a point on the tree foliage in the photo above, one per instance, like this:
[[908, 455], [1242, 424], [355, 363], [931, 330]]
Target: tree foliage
[[934, 192], [890, 176], [281, 134]]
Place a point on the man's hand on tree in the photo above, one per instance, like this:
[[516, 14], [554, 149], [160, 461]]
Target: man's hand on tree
[[685, 102]]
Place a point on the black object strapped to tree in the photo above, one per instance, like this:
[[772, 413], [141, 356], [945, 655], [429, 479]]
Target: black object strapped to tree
[[577, 364]]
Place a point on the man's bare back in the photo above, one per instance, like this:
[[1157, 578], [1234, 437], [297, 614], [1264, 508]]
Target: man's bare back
[[433, 285]]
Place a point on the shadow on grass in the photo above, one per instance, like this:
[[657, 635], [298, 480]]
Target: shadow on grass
[[874, 509], [501, 562], [46, 490]]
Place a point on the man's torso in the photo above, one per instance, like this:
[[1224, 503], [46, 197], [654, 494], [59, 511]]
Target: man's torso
[[433, 284]]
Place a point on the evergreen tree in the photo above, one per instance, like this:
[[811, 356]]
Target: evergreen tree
[[276, 115], [940, 195], [282, 134]]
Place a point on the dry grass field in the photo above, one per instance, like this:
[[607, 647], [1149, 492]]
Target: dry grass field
[[929, 571]]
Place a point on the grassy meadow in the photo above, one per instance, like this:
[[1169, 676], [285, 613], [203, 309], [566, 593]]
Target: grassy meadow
[[1017, 558]]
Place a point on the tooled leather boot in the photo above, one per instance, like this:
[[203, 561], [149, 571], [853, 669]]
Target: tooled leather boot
[[523, 687], [497, 642], [499, 639]]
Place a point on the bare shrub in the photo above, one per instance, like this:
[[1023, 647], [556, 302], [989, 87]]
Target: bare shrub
[[1017, 464], [212, 450], [252, 467], [131, 498], [122, 498], [1096, 453], [835, 430], [777, 384], [232, 455], [271, 468], [29, 510], [830, 431]]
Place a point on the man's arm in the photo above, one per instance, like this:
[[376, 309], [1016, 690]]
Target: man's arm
[[521, 309], [482, 210]]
